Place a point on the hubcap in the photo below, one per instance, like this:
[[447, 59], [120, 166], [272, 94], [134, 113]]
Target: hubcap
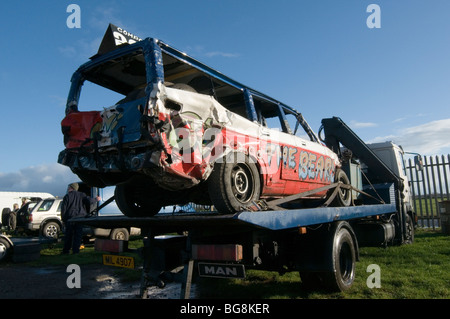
[[120, 236], [51, 231], [242, 183]]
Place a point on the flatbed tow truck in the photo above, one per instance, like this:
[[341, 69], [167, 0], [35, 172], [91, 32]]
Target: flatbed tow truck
[[322, 243], [135, 145]]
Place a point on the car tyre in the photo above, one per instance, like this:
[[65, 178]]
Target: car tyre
[[344, 196], [234, 183], [5, 249], [51, 230], [135, 198]]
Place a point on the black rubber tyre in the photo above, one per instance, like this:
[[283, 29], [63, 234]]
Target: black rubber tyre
[[339, 253], [234, 183], [343, 261], [344, 196], [136, 198], [409, 232], [5, 216], [5, 249]]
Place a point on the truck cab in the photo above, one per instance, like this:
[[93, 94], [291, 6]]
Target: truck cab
[[393, 156]]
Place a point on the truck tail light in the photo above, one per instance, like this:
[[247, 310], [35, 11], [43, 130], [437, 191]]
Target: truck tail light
[[217, 252]]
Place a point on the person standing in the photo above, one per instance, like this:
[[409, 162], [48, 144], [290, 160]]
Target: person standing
[[74, 204], [13, 217]]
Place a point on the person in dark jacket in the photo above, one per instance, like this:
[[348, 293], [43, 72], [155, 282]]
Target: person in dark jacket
[[13, 217], [74, 204]]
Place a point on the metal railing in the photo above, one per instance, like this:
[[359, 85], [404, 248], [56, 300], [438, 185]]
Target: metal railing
[[429, 186]]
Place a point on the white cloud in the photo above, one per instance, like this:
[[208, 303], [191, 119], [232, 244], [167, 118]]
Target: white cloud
[[48, 178], [401, 119], [201, 51], [431, 138], [102, 16], [82, 50], [356, 124], [221, 54]]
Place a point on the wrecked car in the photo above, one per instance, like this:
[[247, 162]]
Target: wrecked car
[[182, 132]]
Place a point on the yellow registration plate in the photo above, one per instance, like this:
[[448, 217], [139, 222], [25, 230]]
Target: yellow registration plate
[[118, 261]]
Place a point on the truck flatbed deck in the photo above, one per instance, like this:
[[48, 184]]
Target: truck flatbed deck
[[271, 220]]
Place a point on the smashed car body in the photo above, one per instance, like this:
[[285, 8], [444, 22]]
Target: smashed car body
[[184, 132]]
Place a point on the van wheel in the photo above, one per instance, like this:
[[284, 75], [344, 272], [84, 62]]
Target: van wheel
[[234, 183], [51, 230], [119, 234]]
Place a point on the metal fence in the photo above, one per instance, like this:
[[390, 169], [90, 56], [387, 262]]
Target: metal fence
[[429, 186]]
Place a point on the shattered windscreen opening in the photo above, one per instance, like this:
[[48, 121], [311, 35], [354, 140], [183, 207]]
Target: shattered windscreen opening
[[113, 82], [96, 97]]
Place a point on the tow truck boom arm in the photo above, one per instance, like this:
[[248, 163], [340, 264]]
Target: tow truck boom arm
[[336, 131]]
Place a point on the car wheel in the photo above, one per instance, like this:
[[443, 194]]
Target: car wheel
[[51, 230], [137, 198], [344, 196], [5, 248], [234, 183]]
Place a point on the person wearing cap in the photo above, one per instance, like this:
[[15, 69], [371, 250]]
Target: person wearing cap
[[74, 204]]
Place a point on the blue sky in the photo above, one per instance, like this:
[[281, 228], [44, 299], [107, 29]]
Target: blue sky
[[390, 83]]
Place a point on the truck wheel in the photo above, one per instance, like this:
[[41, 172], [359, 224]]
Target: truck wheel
[[51, 230], [234, 183], [343, 260], [5, 249], [119, 234], [135, 198], [409, 232], [344, 196]]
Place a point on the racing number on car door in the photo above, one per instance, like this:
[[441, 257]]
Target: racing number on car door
[[305, 166]]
